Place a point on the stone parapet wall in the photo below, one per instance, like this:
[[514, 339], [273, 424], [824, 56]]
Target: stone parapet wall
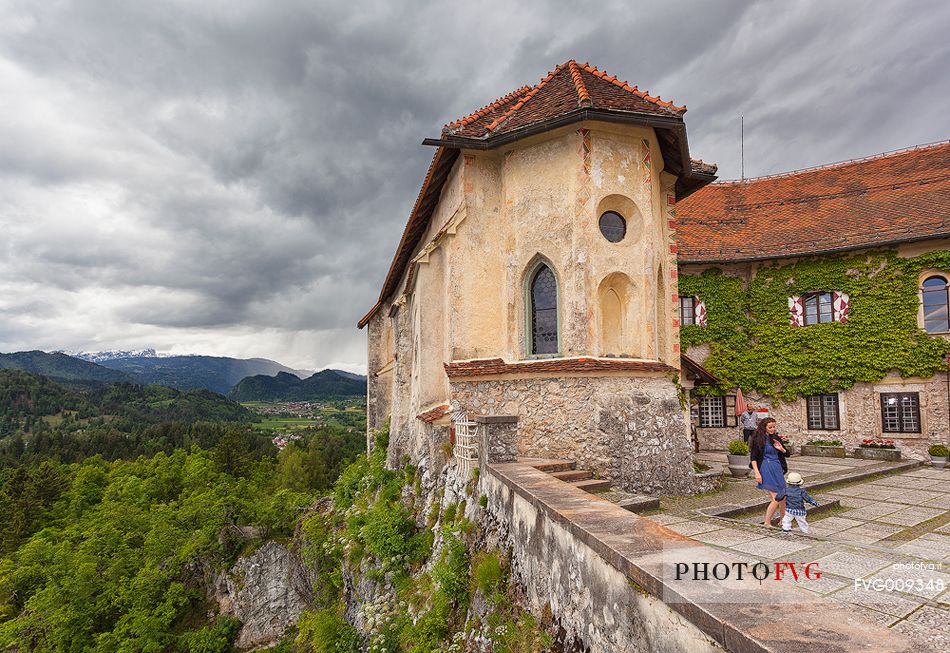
[[597, 608], [631, 431], [606, 575], [497, 439]]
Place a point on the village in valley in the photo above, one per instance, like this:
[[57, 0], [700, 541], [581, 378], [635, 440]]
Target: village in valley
[[287, 421]]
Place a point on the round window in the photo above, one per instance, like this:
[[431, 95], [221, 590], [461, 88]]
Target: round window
[[613, 226]]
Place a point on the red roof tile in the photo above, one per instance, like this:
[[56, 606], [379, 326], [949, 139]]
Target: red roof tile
[[883, 200], [496, 366], [434, 414], [568, 87]]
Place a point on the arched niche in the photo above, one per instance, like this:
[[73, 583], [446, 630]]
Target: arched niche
[[614, 298], [625, 208]]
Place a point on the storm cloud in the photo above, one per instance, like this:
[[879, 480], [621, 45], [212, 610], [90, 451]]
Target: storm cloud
[[232, 178]]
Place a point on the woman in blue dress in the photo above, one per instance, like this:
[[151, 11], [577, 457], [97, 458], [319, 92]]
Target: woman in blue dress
[[768, 463]]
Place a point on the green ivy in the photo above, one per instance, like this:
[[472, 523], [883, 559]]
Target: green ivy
[[752, 344]]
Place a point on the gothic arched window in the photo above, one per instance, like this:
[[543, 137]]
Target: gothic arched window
[[543, 311], [936, 308]]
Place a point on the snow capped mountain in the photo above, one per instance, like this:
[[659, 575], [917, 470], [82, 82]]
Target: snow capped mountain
[[100, 356]]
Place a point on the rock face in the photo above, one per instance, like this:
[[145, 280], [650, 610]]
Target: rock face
[[267, 591]]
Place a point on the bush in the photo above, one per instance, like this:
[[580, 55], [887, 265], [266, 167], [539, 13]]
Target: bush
[[738, 448], [211, 639], [388, 530], [938, 451], [486, 572], [327, 631], [878, 443], [429, 632], [449, 516], [451, 571]]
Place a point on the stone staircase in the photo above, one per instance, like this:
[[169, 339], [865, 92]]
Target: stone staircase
[[566, 470]]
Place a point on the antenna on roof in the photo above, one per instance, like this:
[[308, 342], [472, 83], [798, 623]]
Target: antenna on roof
[[741, 148]]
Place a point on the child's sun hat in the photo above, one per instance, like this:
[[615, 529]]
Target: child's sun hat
[[794, 478]]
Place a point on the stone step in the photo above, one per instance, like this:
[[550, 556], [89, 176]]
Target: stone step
[[592, 485], [573, 475], [549, 464], [640, 503]]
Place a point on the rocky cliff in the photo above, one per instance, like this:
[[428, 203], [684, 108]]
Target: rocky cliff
[[398, 560]]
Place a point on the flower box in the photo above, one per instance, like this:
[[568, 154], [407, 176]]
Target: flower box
[[823, 451], [877, 453]]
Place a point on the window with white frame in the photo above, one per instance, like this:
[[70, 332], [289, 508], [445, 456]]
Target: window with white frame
[[934, 296], [823, 414], [900, 412], [687, 311]]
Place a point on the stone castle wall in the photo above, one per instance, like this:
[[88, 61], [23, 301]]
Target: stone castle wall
[[631, 431], [860, 417]]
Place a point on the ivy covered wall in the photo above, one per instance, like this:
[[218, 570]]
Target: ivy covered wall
[[753, 345]]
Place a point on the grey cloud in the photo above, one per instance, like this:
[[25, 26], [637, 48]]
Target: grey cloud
[[224, 177]]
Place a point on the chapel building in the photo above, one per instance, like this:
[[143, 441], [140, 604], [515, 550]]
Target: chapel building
[[536, 278]]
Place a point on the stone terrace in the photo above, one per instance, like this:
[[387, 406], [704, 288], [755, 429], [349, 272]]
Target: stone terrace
[[884, 520]]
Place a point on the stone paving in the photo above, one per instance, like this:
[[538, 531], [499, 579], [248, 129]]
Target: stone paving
[[892, 532]]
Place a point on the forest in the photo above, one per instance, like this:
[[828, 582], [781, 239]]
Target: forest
[[117, 498]]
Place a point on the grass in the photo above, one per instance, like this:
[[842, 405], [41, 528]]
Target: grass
[[286, 423], [59, 418]]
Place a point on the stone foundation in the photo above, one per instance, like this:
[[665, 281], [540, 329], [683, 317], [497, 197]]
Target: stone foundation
[[630, 431]]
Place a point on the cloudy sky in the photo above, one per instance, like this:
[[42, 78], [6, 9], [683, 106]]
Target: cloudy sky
[[231, 177]]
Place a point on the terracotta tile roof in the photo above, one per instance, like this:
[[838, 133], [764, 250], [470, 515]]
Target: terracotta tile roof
[[439, 169], [701, 166], [496, 366], [884, 200], [434, 414], [567, 88]]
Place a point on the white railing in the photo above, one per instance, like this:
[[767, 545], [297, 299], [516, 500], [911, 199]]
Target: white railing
[[466, 444]]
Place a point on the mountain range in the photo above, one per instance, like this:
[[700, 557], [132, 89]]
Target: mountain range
[[61, 367], [216, 373]]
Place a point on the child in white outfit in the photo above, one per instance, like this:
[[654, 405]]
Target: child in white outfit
[[795, 498]]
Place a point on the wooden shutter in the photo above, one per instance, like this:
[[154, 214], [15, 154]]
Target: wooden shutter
[[699, 309], [841, 303], [796, 311]]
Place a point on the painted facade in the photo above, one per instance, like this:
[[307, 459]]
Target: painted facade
[[455, 334]]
